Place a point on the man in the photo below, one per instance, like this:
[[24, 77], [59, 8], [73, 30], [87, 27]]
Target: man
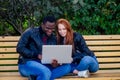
[[30, 49]]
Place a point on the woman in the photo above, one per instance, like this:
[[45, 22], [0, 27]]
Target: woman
[[84, 60]]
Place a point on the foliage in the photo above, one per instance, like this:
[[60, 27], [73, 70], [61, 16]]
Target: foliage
[[21, 14], [97, 17], [85, 16]]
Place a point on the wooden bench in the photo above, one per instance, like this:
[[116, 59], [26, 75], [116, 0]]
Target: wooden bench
[[106, 48]]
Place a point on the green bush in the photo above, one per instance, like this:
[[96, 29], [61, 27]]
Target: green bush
[[86, 16]]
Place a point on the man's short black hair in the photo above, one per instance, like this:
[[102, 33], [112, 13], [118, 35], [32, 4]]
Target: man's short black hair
[[49, 19]]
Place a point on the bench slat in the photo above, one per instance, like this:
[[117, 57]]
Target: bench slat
[[8, 68], [99, 72], [68, 78], [9, 38], [104, 42], [8, 43], [104, 48], [111, 65], [13, 78], [93, 48], [98, 54], [102, 37], [115, 59], [2, 62], [7, 49], [93, 78], [2, 56], [88, 37], [109, 71], [9, 74]]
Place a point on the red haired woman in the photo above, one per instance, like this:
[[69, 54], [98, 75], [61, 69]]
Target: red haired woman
[[84, 60]]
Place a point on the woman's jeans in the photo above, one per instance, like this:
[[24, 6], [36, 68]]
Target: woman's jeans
[[86, 63], [43, 72]]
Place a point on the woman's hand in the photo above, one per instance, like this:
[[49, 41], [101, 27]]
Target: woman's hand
[[54, 63], [39, 56]]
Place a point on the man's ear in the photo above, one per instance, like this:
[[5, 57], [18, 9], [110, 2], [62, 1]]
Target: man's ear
[[42, 24]]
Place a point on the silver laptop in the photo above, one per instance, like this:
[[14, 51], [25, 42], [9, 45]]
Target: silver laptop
[[62, 53]]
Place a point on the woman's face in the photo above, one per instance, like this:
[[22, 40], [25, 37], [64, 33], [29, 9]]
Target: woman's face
[[62, 30]]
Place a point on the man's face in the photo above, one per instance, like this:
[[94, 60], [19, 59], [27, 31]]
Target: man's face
[[48, 28]]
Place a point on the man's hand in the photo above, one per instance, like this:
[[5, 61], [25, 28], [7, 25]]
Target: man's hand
[[54, 63]]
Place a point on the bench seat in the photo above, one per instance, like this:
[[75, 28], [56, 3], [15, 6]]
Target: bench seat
[[105, 75], [105, 47]]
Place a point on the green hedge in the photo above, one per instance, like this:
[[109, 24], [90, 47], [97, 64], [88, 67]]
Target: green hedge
[[85, 16]]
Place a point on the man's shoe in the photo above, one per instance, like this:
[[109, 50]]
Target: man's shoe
[[83, 74]]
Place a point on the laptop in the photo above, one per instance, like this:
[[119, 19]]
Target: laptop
[[62, 53]]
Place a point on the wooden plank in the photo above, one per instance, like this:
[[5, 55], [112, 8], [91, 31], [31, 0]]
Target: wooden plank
[[8, 43], [93, 78], [7, 49], [108, 71], [115, 59], [113, 42], [97, 76], [9, 38], [104, 48], [9, 74], [93, 48], [102, 37], [68, 78], [6, 68], [87, 37], [100, 54], [98, 72], [8, 62], [111, 65], [13, 78], [103, 42], [15, 55]]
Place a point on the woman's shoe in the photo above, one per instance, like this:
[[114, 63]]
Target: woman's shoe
[[83, 74]]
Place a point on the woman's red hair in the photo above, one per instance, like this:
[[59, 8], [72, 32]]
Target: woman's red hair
[[69, 35]]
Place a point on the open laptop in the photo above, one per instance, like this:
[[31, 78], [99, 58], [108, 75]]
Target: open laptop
[[62, 53]]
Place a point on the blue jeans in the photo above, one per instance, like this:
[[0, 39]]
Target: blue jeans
[[43, 72], [86, 63]]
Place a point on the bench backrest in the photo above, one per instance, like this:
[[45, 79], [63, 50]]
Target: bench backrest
[[105, 47]]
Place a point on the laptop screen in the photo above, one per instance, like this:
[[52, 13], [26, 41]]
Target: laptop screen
[[62, 53]]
